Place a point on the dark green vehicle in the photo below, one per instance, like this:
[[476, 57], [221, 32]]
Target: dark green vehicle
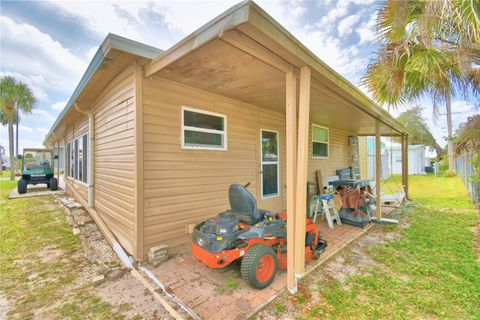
[[37, 167]]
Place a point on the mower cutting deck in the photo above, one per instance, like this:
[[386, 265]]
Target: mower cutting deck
[[256, 236]]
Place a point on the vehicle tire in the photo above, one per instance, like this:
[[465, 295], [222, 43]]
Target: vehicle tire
[[53, 184], [22, 186], [259, 266]]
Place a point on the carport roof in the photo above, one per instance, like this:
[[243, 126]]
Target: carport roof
[[264, 38], [270, 43]]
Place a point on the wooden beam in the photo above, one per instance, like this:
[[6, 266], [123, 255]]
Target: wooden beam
[[302, 163], [228, 20], [291, 132], [378, 165], [138, 229], [243, 42], [403, 161]]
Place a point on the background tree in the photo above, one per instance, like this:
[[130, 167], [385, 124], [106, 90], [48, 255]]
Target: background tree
[[14, 95], [429, 48], [412, 119]]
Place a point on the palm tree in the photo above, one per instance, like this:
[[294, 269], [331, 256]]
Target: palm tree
[[14, 95], [429, 48]]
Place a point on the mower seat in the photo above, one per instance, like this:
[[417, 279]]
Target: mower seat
[[244, 205]]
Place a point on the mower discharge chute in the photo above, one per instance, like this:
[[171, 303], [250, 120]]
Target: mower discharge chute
[[257, 237]]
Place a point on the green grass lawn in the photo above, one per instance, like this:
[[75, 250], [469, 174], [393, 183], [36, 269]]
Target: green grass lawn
[[41, 262], [430, 271]]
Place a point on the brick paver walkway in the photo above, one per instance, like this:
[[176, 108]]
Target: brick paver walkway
[[222, 294]]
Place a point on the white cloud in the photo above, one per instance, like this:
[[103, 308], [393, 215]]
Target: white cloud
[[368, 30], [22, 128], [42, 130], [340, 10], [59, 105], [345, 25], [42, 115], [35, 55]]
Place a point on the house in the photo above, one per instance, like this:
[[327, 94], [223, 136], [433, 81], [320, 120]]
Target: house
[[154, 138]]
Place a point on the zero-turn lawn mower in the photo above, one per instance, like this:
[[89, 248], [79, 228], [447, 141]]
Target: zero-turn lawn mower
[[257, 237]]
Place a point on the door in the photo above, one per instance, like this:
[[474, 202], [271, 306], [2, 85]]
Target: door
[[270, 197]]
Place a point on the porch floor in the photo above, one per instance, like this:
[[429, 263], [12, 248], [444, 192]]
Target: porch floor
[[222, 294]]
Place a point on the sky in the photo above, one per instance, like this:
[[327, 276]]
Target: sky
[[49, 44]]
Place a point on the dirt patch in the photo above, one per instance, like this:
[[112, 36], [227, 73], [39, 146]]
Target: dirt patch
[[4, 306], [129, 291], [49, 255]]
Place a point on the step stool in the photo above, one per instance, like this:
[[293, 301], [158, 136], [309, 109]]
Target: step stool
[[327, 208]]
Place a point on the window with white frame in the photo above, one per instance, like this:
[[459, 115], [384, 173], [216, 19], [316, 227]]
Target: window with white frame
[[203, 130], [77, 159], [320, 140], [270, 164]]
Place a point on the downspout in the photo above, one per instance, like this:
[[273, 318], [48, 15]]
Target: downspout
[[90, 153]]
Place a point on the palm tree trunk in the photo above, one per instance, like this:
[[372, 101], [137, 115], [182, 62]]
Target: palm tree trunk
[[11, 151], [16, 136], [451, 159]]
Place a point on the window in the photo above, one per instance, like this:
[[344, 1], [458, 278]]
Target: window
[[203, 130], [77, 159], [270, 168], [319, 142]]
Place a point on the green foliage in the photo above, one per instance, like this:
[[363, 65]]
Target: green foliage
[[280, 308], [413, 120], [430, 48], [301, 298], [232, 284]]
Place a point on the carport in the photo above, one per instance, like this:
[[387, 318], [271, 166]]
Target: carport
[[247, 56]]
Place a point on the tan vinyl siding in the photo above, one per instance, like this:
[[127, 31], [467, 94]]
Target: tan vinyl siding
[[114, 157], [339, 156], [187, 186]]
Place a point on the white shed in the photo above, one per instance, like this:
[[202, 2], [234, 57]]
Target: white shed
[[385, 169], [416, 159]]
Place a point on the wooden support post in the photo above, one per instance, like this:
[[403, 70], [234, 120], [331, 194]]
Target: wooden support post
[[378, 165], [302, 163], [406, 167], [403, 160], [291, 130]]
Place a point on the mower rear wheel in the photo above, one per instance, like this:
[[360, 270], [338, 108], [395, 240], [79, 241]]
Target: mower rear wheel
[[22, 186], [259, 266]]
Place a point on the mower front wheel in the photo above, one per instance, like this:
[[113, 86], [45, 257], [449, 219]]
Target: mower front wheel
[[53, 184], [259, 266], [22, 186]]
